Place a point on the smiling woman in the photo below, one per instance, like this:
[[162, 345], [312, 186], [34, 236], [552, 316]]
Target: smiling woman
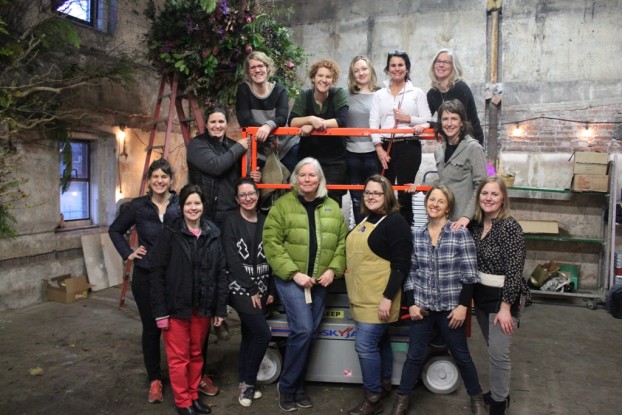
[[250, 285], [399, 105], [188, 292], [361, 153], [438, 293], [304, 243], [460, 160], [214, 163], [447, 84], [321, 107], [263, 103], [378, 258]]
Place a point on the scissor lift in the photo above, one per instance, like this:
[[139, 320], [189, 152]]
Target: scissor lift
[[333, 357]]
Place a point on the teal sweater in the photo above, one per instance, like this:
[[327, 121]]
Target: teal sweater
[[286, 238]]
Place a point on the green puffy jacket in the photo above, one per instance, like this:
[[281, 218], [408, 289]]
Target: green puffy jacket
[[286, 238]]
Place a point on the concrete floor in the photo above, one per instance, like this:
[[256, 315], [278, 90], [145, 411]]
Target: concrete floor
[[567, 360]]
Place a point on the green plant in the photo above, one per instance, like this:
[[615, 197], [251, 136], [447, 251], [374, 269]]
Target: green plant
[[206, 46], [42, 65], [10, 191]]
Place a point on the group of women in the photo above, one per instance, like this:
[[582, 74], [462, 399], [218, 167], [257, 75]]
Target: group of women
[[210, 247], [449, 268]]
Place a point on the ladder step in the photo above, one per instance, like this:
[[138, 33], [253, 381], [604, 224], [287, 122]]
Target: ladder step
[[153, 148], [187, 120], [179, 96], [161, 120]]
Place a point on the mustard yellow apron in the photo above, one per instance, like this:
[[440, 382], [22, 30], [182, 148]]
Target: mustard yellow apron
[[367, 276]]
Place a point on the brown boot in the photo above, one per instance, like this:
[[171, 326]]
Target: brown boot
[[370, 405], [401, 405], [387, 386], [477, 405]]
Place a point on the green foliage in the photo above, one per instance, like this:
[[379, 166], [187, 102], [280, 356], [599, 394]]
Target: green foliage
[[10, 191], [41, 63], [207, 49]]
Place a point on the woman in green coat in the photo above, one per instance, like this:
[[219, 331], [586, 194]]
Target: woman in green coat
[[304, 242]]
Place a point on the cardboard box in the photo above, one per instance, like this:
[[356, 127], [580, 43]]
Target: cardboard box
[[539, 226], [67, 289], [589, 162], [590, 183]]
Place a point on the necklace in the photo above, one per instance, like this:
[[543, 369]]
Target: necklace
[[443, 94]]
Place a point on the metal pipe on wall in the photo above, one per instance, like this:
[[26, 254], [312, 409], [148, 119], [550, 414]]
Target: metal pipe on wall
[[493, 8]]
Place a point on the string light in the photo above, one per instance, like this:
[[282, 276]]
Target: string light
[[121, 135], [587, 132]]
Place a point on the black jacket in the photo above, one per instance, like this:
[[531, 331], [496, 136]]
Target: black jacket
[[189, 273], [144, 214], [216, 167]]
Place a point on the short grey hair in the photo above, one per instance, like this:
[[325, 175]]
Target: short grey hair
[[293, 180]]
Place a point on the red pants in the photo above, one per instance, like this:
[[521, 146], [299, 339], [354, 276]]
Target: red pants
[[184, 341]]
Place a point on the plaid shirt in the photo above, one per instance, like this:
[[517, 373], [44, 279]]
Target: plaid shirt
[[437, 273]]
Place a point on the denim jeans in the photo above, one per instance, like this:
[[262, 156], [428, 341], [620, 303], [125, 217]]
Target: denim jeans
[[420, 335], [360, 167], [256, 336], [304, 321], [499, 344], [373, 347]]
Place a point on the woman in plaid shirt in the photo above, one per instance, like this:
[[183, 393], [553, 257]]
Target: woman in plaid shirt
[[438, 291]]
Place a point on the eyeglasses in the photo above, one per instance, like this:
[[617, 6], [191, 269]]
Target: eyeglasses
[[445, 63], [374, 194], [259, 66], [248, 195], [397, 53]]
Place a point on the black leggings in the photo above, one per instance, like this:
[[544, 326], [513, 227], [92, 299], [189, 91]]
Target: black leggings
[[151, 332], [256, 336], [404, 165]]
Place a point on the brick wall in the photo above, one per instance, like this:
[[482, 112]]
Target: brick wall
[[557, 133]]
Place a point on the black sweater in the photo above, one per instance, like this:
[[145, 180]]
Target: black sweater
[[392, 240], [462, 93]]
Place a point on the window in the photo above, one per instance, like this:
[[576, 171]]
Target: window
[[75, 202], [85, 11]]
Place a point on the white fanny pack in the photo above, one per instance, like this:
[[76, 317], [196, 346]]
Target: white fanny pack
[[491, 280]]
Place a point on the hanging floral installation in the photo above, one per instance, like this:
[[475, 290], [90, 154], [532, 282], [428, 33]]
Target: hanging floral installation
[[205, 42]]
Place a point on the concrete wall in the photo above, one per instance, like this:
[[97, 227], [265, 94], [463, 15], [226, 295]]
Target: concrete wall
[[559, 60]]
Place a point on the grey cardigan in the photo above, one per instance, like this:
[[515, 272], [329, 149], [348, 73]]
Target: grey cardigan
[[462, 173]]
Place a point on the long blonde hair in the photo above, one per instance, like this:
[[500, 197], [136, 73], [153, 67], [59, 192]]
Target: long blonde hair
[[505, 205], [352, 85]]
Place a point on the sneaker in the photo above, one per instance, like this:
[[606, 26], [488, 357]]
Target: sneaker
[[286, 401], [302, 400], [207, 387], [257, 394], [155, 392], [246, 394]]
